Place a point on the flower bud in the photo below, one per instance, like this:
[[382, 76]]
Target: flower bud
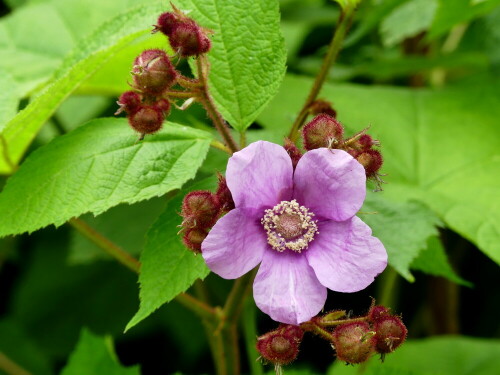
[[164, 105], [153, 72], [147, 120], [129, 102], [353, 342], [166, 23], [322, 131], [280, 346], [293, 151], [371, 160], [365, 142], [199, 209], [188, 39], [224, 196], [377, 312], [320, 106], [193, 238], [390, 333]]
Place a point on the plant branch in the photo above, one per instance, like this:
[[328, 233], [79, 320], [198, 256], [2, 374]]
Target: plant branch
[[10, 367], [237, 295], [186, 300], [333, 50], [208, 103]]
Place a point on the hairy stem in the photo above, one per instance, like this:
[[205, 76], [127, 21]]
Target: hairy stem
[[186, 300], [333, 50], [10, 367], [208, 103]]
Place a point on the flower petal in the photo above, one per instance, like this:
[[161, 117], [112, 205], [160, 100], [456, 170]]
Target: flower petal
[[331, 183], [345, 256], [260, 175], [235, 244], [287, 289]]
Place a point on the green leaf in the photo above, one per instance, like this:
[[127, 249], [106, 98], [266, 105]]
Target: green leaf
[[167, 267], [93, 356], [87, 57], [452, 355], [403, 228], [440, 146], [9, 98], [135, 218], [248, 54], [451, 13], [433, 260], [407, 20], [96, 167]]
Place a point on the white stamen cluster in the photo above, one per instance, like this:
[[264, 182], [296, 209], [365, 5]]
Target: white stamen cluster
[[295, 236]]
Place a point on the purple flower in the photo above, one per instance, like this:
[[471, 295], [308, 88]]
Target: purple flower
[[299, 225]]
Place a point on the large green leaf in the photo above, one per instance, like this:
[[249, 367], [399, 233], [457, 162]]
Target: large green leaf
[[87, 57], [167, 267], [448, 355], [440, 146], [247, 57], [94, 355], [96, 167], [404, 229]]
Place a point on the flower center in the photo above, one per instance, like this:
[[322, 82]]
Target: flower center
[[289, 226]]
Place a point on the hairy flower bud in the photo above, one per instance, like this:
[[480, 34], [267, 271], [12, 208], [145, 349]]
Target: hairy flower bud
[[188, 39], [353, 342], [147, 120], [164, 105], [320, 106], [199, 209], [280, 346], [193, 238], [371, 160], [153, 72], [322, 131], [377, 312], [224, 196], [293, 151], [390, 333], [129, 102], [166, 23]]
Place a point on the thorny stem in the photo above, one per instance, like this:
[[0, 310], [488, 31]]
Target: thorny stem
[[333, 49], [208, 103], [10, 367], [191, 303]]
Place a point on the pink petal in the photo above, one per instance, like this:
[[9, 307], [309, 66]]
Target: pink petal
[[345, 256], [331, 183], [287, 289], [235, 244], [260, 175]]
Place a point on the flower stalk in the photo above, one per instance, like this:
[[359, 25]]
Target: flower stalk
[[344, 23]]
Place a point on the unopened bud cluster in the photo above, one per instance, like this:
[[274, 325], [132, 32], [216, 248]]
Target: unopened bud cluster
[[153, 73], [325, 131], [355, 340], [200, 210]]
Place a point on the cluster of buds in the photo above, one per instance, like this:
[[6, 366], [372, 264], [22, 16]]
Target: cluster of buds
[[200, 211], [154, 74], [355, 340], [325, 131]]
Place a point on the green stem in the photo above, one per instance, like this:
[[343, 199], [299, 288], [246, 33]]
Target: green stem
[[191, 303], [234, 302], [208, 103], [341, 321], [250, 335], [10, 367], [220, 146], [388, 288], [333, 50]]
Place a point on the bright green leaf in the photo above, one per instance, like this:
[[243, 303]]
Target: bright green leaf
[[451, 13], [451, 355], [407, 20], [93, 356], [87, 57], [167, 267], [433, 260], [9, 98], [247, 58], [439, 146], [403, 228], [96, 167]]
